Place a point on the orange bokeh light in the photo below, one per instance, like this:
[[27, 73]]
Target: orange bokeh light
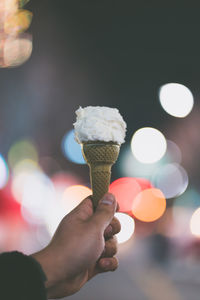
[[74, 195], [125, 190], [18, 22], [149, 205]]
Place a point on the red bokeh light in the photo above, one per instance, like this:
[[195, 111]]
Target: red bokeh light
[[8, 205], [125, 190], [144, 183]]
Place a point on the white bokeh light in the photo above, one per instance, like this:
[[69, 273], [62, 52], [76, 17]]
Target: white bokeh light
[[37, 196], [131, 167], [171, 179], [127, 227], [54, 214], [17, 51], [176, 99], [64, 202], [180, 222], [173, 153], [148, 145], [195, 223]]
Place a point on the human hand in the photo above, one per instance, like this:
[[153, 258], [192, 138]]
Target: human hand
[[82, 246]]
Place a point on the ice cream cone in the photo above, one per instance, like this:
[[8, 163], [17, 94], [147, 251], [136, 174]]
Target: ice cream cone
[[100, 156]]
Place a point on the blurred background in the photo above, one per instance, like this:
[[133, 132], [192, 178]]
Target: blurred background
[[141, 57]]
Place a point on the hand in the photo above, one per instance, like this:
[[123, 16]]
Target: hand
[[82, 246]]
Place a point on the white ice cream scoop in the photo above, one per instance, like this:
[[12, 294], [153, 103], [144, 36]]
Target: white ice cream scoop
[[99, 123]]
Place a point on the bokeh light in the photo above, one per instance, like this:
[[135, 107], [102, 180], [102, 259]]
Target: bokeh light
[[8, 7], [38, 193], [4, 172], [21, 150], [71, 149], [17, 51], [144, 183], [25, 165], [182, 211], [8, 206], [42, 236], [18, 183], [125, 190], [176, 99], [18, 22], [54, 214], [171, 179], [15, 46], [22, 171], [181, 217], [148, 145], [149, 205], [73, 196], [129, 166], [127, 227], [62, 180], [195, 223], [173, 153], [12, 224], [61, 204]]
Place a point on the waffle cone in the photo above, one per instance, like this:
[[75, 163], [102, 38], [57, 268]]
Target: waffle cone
[[100, 156]]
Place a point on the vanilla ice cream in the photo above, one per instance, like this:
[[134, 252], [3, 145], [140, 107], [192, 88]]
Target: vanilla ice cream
[[99, 123]]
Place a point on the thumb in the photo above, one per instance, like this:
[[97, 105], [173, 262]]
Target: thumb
[[105, 211]]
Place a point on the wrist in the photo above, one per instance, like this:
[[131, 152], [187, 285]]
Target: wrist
[[43, 257]]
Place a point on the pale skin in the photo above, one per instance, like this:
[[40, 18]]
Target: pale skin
[[82, 246]]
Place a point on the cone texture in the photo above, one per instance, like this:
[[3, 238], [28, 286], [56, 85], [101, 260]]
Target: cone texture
[[100, 157]]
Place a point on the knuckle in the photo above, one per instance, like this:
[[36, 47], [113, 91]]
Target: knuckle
[[111, 247]]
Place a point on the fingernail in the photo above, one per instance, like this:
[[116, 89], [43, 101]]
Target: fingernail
[[108, 199]]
